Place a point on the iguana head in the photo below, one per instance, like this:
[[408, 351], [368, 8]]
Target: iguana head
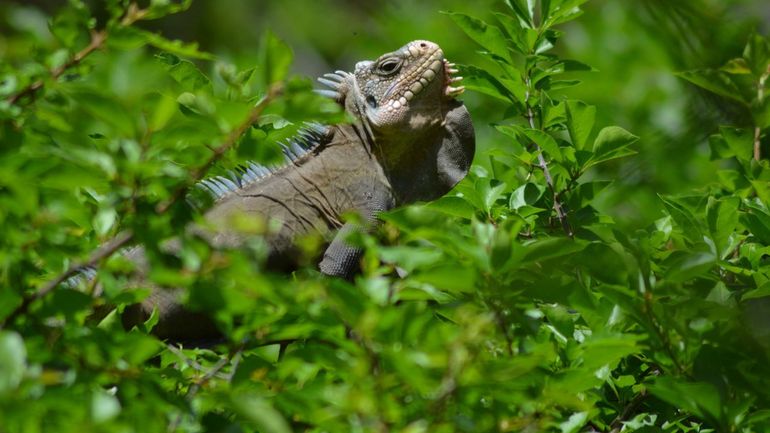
[[404, 89]]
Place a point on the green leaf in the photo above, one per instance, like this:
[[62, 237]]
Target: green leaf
[[489, 191], [568, 10], [549, 249], [699, 398], [180, 48], [759, 292], [714, 81], [275, 57], [460, 279], [740, 142], [736, 67], [757, 54], [545, 142], [684, 219], [260, 412], [185, 73], [580, 122], [575, 422], [13, 361], [488, 36], [104, 406], [586, 192], [524, 10], [758, 222], [527, 194], [722, 218], [162, 8], [105, 108], [482, 81], [686, 266], [515, 31], [612, 143]]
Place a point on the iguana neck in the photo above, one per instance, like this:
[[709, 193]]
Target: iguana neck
[[425, 164]]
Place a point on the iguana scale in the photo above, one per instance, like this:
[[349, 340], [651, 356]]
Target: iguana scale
[[410, 140]]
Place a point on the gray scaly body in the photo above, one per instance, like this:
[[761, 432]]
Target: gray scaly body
[[410, 141]]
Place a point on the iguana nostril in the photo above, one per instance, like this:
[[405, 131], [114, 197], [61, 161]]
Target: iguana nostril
[[423, 45]]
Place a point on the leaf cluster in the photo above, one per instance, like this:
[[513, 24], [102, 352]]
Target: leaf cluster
[[512, 304]]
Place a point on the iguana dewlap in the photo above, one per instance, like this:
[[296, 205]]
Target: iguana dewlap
[[411, 140]]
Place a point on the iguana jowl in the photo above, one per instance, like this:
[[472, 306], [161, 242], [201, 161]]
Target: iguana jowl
[[410, 141]]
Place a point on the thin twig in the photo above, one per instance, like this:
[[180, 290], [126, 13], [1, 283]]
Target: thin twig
[[557, 206], [273, 92], [106, 250], [125, 237], [195, 365], [98, 37], [757, 143], [760, 101], [617, 424]]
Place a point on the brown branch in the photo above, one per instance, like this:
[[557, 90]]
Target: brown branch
[[557, 206], [760, 101], [97, 256], [98, 37], [617, 424], [757, 143], [273, 92], [123, 238]]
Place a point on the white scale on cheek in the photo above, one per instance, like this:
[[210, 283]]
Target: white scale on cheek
[[418, 85]]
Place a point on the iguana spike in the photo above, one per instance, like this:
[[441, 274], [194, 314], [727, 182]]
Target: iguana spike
[[232, 176], [298, 150], [329, 94], [288, 152], [337, 76], [229, 184], [330, 83], [212, 186]]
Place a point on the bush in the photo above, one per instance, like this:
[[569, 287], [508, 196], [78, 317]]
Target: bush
[[512, 304]]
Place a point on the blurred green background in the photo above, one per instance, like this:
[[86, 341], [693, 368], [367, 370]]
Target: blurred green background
[[635, 46]]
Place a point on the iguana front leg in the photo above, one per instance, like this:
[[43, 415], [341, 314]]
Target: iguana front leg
[[341, 259]]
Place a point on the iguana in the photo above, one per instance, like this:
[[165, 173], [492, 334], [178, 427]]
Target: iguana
[[410, 140]]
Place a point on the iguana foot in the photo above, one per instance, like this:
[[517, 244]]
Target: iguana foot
[[449, 80]]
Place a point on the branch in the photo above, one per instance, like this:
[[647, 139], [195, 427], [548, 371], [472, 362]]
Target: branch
[[97, 41], [273, 92], [760, 101], [557, 206], [98, 38], [617, 423], [125, 237], [757, 143], [106, 250]]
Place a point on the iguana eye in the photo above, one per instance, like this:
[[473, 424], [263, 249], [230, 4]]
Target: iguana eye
[[388, 66]]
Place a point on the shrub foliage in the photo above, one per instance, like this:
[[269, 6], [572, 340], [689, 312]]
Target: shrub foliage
[[512, 304]]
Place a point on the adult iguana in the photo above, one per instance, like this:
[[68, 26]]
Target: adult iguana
[[410, 141]]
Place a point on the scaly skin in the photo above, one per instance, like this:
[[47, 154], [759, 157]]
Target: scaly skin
[[411, 141]]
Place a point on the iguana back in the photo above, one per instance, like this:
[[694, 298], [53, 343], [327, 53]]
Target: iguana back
[[410, 141]]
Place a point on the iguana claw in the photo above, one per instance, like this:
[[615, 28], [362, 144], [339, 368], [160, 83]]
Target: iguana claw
[[452, 91]]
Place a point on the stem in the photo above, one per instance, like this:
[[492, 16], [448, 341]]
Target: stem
[[757, 143], [97, 41], [273, 92], [98, 38], [125, 237], [617, 423], [106, 250], [760, 101], [557, 206]]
